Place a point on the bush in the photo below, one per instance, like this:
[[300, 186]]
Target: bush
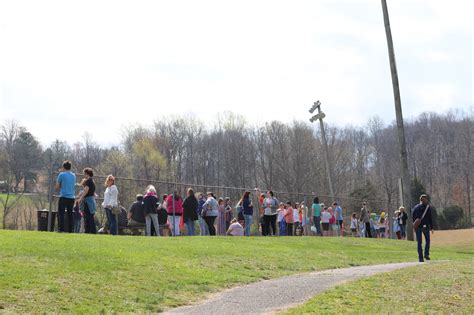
[[451, 217]]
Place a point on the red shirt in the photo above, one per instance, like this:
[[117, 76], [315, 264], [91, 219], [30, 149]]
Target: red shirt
[[289, 218]]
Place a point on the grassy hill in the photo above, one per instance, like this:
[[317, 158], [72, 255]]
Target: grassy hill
[[51, 272]]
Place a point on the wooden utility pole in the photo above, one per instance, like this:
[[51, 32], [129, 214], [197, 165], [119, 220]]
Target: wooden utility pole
[[406, 183], [320, 115]]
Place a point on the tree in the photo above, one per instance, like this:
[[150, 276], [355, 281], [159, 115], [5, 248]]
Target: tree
[[452, 217], [27, 154], [417, 189]]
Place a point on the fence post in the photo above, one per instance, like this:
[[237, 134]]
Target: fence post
[[174, 216]]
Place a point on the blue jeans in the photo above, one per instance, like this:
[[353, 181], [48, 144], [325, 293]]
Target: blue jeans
[[282, 226], [190, 227], [203, 226], [317, 224], [112, 219], [402, 230], [248, 222], [426, 232]]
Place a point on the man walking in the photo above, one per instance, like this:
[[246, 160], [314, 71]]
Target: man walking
[[423, 224], [66, 184], [364, 218]]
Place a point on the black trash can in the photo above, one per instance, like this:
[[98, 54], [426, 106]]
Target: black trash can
[[43, 220]]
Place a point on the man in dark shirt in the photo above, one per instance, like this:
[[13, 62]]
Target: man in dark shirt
[[136, 215], [425, 226]]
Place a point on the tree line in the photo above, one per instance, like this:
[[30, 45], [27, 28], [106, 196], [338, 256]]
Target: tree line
[[288, 157]]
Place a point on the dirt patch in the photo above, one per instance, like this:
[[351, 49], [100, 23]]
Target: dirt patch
[[459, 238]]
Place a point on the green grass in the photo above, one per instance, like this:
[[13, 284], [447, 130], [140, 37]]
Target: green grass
[[50, 272], [440, 287], [435, 288]]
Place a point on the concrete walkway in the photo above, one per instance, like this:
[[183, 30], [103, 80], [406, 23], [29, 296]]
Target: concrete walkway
[[271, 296]]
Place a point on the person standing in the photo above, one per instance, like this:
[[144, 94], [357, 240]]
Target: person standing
[[354, 224], [316, 209], [202, 223], [229, 213], [66, 184], [339, 218], [403, 222], [270, 206], [174, 207], [210, 211], [289, 218], [111, 201], [421, 214], [149, 208], [364, 218], [382, 225], [281, 220], [190, 205], [247, 209], [221, 226], [296, 218], [87, 200], [325, 217]]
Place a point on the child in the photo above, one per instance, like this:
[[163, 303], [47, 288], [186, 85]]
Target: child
[[396, 225], [382, 225], [354, 224], [289, 218], [229, 215], [332, 222], [281, 219], [325, 217], [221, 224], [235, 229], [296, 218]]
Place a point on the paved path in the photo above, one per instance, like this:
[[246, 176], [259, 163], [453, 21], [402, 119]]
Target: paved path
[[271, 296]]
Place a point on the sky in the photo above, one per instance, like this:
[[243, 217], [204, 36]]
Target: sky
[[69, 67]]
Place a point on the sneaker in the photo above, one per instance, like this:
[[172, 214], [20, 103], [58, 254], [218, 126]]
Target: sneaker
[[427, 257], [421, 260]]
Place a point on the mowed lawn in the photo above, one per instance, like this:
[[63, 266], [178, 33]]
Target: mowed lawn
[[438, 287], [61, 273]]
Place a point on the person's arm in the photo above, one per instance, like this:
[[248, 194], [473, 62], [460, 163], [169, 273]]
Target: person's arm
[[57, 186], [114, 196], [84, 193], [130, 212]]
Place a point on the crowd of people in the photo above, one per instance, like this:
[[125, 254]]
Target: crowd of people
[[214, 216]]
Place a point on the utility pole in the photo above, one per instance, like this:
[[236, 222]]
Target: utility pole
[[320, 115], [406, 184]]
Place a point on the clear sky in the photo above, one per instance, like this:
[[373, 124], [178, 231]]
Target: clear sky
[[68, 67]]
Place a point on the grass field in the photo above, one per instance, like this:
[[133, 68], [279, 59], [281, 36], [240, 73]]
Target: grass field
[[444, 287], [50, 272]]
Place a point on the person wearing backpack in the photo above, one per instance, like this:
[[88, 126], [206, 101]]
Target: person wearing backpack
[[423, 224]]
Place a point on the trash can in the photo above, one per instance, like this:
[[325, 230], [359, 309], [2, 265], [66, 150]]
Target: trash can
[[43, 220]]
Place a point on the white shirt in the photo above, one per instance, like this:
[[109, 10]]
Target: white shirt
[[281, 215], [296, 214], [354, 223], [268, 203], [110, 197], [325, 216], [235, 229]]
